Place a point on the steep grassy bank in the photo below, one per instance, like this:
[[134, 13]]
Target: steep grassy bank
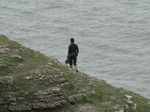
[[31, 82]]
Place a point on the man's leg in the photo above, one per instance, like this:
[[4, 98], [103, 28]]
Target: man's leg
[[76, 68], [70, 62], [75, 63]]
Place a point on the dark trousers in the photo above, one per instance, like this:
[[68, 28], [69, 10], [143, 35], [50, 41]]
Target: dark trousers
[[73, 60]]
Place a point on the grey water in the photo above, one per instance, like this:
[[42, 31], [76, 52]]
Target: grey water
[[113, 35]]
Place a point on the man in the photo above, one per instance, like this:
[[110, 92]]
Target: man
[[73, 53]]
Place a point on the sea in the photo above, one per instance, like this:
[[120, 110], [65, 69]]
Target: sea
[[113, 36]]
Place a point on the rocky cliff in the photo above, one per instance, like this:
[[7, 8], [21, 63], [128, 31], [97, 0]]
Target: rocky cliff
[[32, 82]]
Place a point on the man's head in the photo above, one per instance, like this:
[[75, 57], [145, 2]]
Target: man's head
[[72, 40]]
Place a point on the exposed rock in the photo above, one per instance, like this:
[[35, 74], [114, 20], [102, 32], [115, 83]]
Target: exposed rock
[[29, 77], [129, 99], [87, 107], [4, 48], [6, 81], [3, 67], [47, 99], [66, 85], [55, 90], [20, 106], [31, 82], [75, 98], [134, 107]]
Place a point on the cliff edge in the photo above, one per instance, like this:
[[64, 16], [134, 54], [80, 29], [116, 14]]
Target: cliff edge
[[32, 82]]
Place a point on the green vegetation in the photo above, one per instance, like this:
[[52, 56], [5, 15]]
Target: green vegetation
[[69, 108], [21, 63], [29, 86], [11, 44], [3, 109], [104, 94]]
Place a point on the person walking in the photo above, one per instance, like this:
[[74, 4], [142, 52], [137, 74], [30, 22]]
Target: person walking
[[73, 52]]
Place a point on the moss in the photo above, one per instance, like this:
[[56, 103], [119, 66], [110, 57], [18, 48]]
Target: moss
[[5, 70], [10, 65], [14, 45], [69, 108], [142, 104], [86, 99], [28, 85], [3, 109], [11, 44], [11, 61], [32, 59], [3, 39], [104, 96]]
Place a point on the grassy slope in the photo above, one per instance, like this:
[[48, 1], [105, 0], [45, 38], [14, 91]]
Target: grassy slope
[[96, 92]]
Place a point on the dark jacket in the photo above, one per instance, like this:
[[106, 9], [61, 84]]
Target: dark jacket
[[73, 49]]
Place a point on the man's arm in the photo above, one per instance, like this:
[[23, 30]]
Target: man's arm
[[68, 50]]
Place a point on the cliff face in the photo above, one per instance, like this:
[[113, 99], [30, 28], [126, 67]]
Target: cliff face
[[31, 82]]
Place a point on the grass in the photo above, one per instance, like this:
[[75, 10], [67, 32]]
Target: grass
[[143, 105], [28, 85], [3, 39], [104, 93], [3, 109], [87, 99], [32, 58], [69, 108], [12, 44], [104, 96]]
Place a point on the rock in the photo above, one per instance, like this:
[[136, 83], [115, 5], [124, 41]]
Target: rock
[[39, 105], [46, 99], [50, 105], [4, 48], [129, 101], [15, 56], [20, 106], [134, 107], [12, 99], [72, 99], [6, 81], [75, 98], [87, 107], [50, 64], [29, 77], [66, 85], [61, 80], [3, 67], [43, 80], [128, 97], [55, 90], [79, 97]]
